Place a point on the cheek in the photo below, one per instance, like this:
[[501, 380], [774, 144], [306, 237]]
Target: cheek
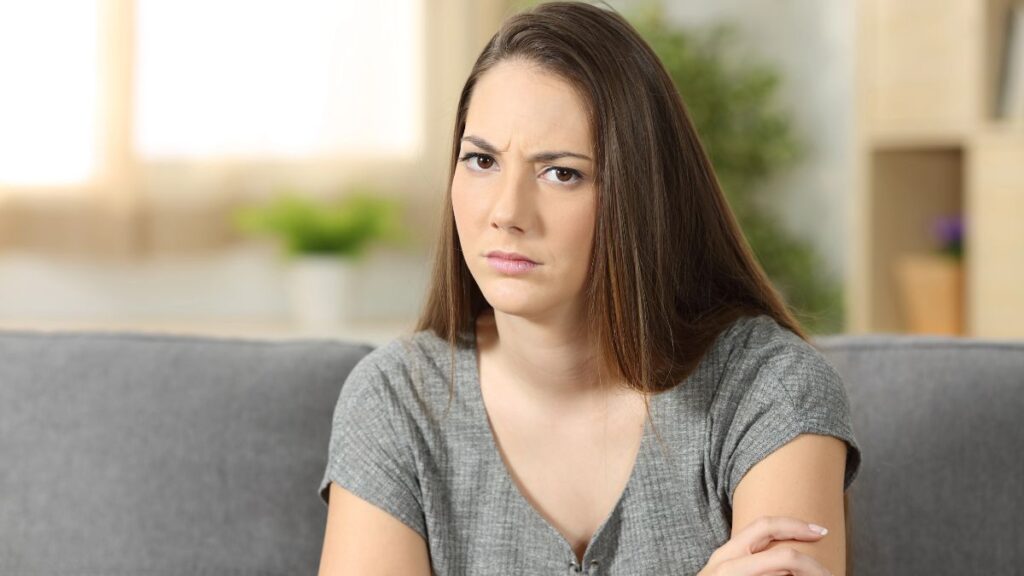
[[580, 224], [464, 210], [574, 226], [469, 196]]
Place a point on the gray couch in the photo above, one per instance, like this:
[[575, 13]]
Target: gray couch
[[135, 454]]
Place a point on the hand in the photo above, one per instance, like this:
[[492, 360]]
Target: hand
[[745, 555]]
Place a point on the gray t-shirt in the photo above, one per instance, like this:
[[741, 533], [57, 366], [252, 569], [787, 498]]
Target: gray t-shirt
[[757, 388]]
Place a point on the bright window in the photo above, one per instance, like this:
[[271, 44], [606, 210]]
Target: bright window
[[286, 79], [223, 79], [48, 91]]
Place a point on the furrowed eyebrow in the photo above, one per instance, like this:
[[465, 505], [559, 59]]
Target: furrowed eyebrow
[[538, 157]]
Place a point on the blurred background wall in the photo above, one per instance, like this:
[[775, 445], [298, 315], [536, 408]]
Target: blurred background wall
[[134, 132], [195, 110]]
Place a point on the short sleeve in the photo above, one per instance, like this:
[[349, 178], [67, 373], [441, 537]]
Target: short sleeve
[[773, 390], [369, 453]]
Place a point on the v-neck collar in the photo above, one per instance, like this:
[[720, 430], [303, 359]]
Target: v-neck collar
[[468, 358]]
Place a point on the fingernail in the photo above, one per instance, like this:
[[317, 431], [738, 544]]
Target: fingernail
[[818, 529]]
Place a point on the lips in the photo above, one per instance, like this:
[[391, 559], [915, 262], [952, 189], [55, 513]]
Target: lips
[[511, 267], [511, 256]]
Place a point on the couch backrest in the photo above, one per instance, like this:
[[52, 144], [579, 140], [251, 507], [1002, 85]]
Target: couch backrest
[[155, 454], [941, 426], [149, 454]]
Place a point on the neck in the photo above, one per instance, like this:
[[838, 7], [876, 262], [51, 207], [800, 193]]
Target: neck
[[553, 365]]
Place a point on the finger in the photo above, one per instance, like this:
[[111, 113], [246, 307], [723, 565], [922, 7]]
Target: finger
[[781, 560], [766, 529]]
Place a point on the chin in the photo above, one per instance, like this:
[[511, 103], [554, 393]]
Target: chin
[[519, 303]]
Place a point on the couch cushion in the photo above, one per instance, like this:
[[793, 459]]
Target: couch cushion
[[154, 454], [939, 419]]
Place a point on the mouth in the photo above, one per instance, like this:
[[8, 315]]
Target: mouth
[[510, 256], [510, 263]]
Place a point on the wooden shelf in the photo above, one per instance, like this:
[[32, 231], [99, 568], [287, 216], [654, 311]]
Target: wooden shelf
[[995, 242], [928, 145], [915, 137]]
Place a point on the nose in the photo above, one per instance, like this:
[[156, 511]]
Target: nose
[[513, 203]]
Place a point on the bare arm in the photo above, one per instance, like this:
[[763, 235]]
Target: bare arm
[[361, 539], [803, 479]]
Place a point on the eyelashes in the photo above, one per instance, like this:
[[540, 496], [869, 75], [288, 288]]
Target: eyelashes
[[471, 155], [577, 176]]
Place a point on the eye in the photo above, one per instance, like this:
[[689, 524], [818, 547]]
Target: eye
[[483, 160], [566, 176], [569, 173]]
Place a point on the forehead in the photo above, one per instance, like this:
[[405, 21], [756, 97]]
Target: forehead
[[523, 105]]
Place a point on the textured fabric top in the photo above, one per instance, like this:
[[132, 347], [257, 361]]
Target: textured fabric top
[[757, 388]]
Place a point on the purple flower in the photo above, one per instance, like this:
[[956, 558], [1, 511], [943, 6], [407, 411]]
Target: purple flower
[[949, 231]]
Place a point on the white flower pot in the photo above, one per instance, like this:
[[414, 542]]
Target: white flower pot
[[321, 291]]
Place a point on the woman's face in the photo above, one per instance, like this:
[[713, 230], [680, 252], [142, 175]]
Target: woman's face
[[525, 183]]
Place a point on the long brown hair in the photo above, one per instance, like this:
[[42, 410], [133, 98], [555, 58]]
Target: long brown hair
[[671, 268]]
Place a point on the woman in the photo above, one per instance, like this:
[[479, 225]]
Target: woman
[[603, 380]]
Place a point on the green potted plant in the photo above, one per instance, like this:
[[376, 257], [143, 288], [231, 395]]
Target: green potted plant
[[323, 241]]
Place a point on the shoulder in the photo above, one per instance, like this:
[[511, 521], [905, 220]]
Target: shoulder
[[762, 333], [775, 386], [768, 363], [395, 356], [763, 348], [401, 370]]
